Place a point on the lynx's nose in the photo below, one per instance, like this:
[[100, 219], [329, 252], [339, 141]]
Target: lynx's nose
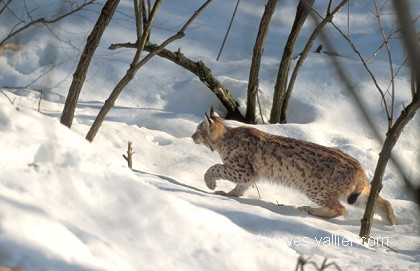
[[194, 138]]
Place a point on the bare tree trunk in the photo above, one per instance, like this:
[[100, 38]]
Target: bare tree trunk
[[304, 54], [132, 70], [302, 12], [256, 61], [391, 138], [79, 75], [136, 65], [413, 48]]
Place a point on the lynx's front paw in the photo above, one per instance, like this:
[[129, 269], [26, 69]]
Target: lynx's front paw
[[210, 181]]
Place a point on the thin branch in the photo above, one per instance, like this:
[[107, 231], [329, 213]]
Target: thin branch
[[7, 97], [227, 31], [179, 35], [391, 69], [348, 20], [357, 52], [109, 103], [143, 40], [45, 21], [259, 107], [5, 6], [390, 35], [404, 63], [258, 190], [329, 7], [146, 14], [346, 81], [41, 95]]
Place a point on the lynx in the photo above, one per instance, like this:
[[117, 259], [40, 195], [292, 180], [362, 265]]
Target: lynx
[[325, 175]]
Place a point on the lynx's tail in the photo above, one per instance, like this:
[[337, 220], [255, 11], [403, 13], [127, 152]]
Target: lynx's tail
[[352, 198], [383, 207]]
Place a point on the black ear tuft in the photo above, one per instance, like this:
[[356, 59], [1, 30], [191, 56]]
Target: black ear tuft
[[208, 119], [213, 114]]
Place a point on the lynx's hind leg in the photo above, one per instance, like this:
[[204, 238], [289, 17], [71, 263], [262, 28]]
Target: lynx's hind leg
[[385, 210], [332, 209], [383, 207]]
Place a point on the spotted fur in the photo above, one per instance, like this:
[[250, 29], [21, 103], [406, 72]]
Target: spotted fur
[[324, 175]]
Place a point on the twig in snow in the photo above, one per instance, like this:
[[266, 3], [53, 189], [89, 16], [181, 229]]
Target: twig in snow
[[129, 156], [302, 262], [7, 97], [256, 187]]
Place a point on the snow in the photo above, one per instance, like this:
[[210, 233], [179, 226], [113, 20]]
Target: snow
[[67, 204]]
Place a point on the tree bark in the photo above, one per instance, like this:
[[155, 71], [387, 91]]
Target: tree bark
[[79, 75], [253, 81], [302, 12]]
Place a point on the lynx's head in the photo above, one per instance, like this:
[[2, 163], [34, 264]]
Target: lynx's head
[[210, 130]]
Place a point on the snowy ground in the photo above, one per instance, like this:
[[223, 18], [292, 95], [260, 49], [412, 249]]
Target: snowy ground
[[66, 204]]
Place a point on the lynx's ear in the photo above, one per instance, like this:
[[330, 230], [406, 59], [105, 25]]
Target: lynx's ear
[[208, 120], [213, 114]]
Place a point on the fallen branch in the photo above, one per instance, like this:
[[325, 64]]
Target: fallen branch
[[199, 69]]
